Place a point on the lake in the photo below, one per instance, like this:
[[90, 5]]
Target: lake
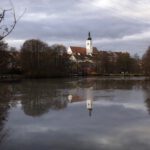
[[77, 114]]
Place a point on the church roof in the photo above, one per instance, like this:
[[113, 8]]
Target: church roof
[[77, 50], [81, 50]]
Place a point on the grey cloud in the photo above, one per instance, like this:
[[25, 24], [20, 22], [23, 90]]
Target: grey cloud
[[67, 22], [60, 30]]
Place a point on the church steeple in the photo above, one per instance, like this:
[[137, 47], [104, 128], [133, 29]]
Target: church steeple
[[89, 47], [89, 36]]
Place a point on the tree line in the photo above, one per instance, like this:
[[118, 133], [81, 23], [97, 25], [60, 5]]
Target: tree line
[[36, 59], [108, 62]]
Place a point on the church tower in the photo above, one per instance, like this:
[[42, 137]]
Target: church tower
[[89, 47]]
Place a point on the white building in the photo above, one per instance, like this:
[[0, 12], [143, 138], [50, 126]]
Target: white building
[[89, 100], [82, 53], [89, 46]]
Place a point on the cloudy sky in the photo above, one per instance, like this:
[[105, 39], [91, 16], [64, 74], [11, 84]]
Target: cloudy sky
[[114, 24]]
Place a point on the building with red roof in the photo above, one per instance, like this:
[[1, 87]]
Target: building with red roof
[[82, 53]]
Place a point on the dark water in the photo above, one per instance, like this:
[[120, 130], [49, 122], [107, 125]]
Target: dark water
[[75, 114]]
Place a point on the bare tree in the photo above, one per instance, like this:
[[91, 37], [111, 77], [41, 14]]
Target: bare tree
[[146, 62], [7, 27]]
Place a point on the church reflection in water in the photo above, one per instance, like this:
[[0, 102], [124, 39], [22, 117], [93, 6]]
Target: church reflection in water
[[84, 95], [89, 106]]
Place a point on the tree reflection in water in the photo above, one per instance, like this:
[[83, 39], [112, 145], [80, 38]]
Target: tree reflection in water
[[5, 97], [147, 101], [39, 97], [146, 87]]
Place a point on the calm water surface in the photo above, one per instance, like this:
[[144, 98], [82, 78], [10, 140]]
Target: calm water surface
[[75, 114]]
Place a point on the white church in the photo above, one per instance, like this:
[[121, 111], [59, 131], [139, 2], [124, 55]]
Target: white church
[[84, 53]]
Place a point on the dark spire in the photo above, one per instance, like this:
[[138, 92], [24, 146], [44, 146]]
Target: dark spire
[[89, 36], [90, 112]]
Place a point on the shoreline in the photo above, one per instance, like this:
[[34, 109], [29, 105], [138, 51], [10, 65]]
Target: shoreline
[[18, 78]]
